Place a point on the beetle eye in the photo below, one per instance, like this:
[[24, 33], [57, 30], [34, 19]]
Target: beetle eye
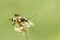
[[14, 20]]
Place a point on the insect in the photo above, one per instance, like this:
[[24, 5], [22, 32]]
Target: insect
[[20, 23]]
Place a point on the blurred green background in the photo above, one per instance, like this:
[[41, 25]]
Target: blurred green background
[[46, 19]]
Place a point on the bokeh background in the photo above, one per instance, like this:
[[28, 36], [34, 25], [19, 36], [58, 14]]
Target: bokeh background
[[46, 19]]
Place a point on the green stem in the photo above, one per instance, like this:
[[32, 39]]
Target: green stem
[[26, 36]]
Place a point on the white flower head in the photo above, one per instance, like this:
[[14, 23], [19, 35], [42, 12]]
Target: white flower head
[[25, 27]]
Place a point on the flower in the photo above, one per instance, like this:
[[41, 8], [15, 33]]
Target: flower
[[25, 26]]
